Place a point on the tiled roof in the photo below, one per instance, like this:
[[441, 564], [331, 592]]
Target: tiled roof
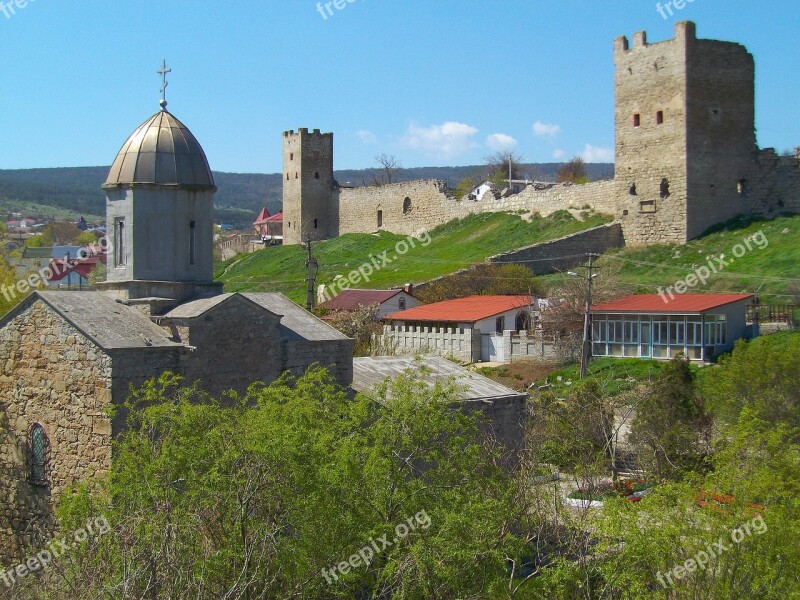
[[462, 310], [352, 299], [685, 303]]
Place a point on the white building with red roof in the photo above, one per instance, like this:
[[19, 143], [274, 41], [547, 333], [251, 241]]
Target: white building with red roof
[[469, 329], [699, 326]]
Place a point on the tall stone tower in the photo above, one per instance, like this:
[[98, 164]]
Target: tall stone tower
[[685, 138], [159, 206], [307, 185]]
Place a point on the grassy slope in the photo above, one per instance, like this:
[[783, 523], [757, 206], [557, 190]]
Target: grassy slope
[[765, 271], [452, 247]]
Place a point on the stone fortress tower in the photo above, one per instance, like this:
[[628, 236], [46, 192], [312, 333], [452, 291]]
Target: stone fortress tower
[[686, 159], [685, 138], [307, 186]]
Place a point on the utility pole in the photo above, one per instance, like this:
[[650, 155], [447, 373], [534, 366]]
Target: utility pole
[[509, 172], [311, 264], [586, 348]]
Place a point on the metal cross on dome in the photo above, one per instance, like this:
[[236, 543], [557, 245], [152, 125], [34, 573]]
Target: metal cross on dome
[[164, 83]]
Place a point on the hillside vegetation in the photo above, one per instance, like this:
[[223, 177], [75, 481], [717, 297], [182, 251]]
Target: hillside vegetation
[[768, 268], [452, 246], [73, 191]]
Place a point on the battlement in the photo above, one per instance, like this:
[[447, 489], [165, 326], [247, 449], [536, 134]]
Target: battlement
[[685, 33], [303, 132]]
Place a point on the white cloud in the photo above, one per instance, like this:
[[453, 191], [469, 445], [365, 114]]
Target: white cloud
[[501, 142], [367, 136], [546, 130], [445, 141], [596, 154], [558, 153]]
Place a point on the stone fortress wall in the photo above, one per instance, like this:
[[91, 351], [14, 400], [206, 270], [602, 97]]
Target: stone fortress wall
[[685, 147]]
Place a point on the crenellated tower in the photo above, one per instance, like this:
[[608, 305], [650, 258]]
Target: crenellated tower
[[685, 136], [307, 185]]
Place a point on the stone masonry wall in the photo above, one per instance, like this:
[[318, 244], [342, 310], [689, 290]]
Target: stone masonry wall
[[52, 375], [504, 420], [336, 356], [550, 256]]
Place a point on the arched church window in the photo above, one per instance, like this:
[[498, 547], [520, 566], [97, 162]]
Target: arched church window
[[38, 451]]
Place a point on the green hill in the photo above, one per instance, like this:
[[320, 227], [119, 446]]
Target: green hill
[[768, 264], [452, 246]]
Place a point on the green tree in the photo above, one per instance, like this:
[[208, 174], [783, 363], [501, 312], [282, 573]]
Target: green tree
[[572, 171], [671, 430], [482, 279], [762, 374], [255, 498]]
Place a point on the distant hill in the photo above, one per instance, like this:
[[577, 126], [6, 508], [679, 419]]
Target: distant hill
[[72, 191]]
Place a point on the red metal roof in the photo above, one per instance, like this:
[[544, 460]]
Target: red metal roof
[[352, 299], [462, 310], [262, 217], [664, 303]]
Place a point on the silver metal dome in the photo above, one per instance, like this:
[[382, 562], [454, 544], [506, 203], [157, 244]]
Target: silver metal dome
[[162, 151]]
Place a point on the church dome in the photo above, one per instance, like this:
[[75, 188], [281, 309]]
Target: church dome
[[162, 151]]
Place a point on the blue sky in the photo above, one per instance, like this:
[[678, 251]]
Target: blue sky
[[434, 82]]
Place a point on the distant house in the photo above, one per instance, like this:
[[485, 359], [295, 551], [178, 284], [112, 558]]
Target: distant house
[[484, 188], [469, 329], [269, 227], [699, 326], [386, 301]]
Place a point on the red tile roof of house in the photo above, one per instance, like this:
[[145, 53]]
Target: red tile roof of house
[[462, 310], [685, 303], [352, 299]]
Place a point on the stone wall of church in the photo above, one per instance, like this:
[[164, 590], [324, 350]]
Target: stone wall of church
[[52, 375], [233, 346], [337, 356]]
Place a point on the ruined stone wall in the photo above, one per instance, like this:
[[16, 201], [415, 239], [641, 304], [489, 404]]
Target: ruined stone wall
[[410, 207], [52, 375], [405, 208], [600, 196]]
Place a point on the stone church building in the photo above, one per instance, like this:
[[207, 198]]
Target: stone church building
[[65, 357]]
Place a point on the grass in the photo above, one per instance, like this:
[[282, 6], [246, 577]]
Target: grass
[[452, 246], [615, 375], [769, 272], [45, 210]]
